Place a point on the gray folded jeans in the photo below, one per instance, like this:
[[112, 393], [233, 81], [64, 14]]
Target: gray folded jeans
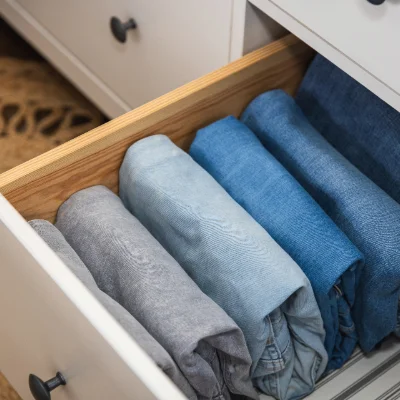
[[133, 268], [55, 240]]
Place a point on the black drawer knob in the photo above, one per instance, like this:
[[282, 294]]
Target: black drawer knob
[[119, 28], [41, 390], [376, 2]]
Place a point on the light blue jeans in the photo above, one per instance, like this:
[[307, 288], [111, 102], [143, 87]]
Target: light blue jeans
[[233, 260]]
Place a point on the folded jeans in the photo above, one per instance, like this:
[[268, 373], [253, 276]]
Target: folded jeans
[[360, 125], [235, 157], [365, 213], [133, 268], [56, 241], [232, 259]]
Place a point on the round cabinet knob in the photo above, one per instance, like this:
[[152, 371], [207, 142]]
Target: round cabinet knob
[[41, 390], [119, 28], [376, 2]]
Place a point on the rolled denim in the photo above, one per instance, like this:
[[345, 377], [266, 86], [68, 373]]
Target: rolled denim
[[360, 125], [134, 269], [56, 241], [233, 260], [238, 161], [366, 214]]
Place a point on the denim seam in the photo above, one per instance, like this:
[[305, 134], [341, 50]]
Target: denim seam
[[227, 359], [277, 386], [347, 329], [276, 365], [317, 359], [209, 362], [317, 363], [288, 346], [219, 385], [220, 395]]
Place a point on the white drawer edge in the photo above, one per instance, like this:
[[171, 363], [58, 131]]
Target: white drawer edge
[[103, 96], [115, 336], [238, 13], [330, 52]]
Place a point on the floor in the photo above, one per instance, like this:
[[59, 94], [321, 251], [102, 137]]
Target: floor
[[39, 108], [36, 103]]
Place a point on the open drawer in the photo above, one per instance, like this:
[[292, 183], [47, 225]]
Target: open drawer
[[49, 321]]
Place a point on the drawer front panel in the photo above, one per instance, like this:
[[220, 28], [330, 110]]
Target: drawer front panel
[[174, 43], [37, 188], [364, 33], [51, 323]]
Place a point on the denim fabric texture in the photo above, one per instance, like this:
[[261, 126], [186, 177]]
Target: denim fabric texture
[[134, 269], [235, 157], [233, 260], [56, 241], [365, 213], [364, 128]]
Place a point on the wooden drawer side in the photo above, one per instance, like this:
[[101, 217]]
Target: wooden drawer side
[[38, 187]]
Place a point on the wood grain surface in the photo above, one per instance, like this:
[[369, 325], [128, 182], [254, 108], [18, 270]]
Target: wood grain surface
[[38, 187], [6, 390]]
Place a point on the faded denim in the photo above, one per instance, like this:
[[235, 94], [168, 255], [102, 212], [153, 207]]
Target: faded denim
[[133, 268], [56, 241], [233, 260], [235, 157], [365, 213], [360, 125]]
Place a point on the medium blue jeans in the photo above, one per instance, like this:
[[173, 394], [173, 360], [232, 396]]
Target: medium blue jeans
[[233, 260], [235, 157], [364, 212], [364, 128]]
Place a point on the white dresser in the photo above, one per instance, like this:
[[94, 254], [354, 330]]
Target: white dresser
[[54, 323], [359, 37], [177, 41], [172, 43]]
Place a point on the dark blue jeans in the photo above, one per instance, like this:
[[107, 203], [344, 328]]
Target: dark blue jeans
[[355, 121], [364, 212]]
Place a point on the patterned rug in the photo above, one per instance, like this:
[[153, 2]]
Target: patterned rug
[[39, 110]]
